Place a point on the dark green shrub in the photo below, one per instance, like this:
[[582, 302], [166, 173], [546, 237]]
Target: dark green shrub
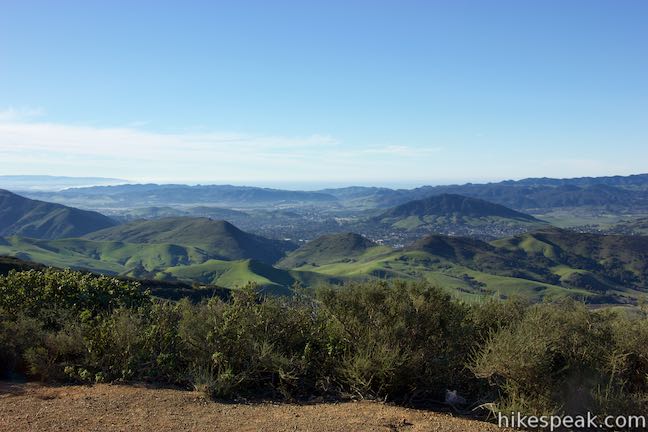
[[18, 334], [556, 359], [269, 346], [400, 339], [55, 352], [135, 344], [50, 293]]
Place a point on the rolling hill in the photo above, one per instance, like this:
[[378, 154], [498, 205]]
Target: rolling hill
[[217, 239], [38, 219], [453, 208], [161, 262], [447, 214], [593, 261], [545, 264], [536, 261], [331, 248]]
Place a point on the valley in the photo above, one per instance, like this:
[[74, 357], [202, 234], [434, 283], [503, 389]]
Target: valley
[[227, 236]]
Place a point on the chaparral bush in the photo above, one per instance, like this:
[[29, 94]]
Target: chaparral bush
[[409, 342]]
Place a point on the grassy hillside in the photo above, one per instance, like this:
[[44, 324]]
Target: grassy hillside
[[218, 239], [452, 205], [461, 281], [592, 261], [544, 264], [446, 214], [38, 219], [331, 248], [165, 262], [450, 210]]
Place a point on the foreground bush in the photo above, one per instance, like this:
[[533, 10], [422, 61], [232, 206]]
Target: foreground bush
[[273, 347], [45, 293], [565, 358], [399, 341]]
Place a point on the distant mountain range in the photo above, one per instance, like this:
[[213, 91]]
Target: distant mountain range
[[620, 192], [145, 195], [30, 218], [537, 194]]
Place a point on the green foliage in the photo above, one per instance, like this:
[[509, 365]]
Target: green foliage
[[18, 334], [41, 293], [274, 346], [389, 340], [565, 358], [400, 339]]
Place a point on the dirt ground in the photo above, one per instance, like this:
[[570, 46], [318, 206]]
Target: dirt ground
[[35, 407]]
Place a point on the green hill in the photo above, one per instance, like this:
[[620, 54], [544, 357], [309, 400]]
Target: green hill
[[331, 248], [593, 261], [234, 274], [548, 263], [218, 239], [38, 219], [451, 209], [165, 262], [456, 249]]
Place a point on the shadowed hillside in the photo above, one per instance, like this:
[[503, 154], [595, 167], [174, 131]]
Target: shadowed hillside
[[327, 249], [455, 206], [219, 239], [38, 219], [590, 261], [448, 214]]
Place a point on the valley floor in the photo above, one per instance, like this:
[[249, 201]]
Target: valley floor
[[36, 407]]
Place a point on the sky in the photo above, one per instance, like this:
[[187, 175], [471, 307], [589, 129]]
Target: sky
[[315, 93]]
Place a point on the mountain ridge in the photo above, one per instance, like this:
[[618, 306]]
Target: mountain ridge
[[449, 205], [218, 238], [39, 219]]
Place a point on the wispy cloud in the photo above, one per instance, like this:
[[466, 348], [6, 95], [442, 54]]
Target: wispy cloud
[[402, 150], [19, 114], [28, 145]]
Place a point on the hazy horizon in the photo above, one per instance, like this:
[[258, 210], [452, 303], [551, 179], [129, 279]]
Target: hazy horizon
[[56, 183]]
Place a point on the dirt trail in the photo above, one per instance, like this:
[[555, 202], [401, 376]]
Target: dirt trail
[[34, 407]]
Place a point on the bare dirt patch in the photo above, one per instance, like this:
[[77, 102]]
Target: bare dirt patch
[[35, 407]]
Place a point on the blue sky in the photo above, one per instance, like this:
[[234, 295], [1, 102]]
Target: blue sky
[[324, 92]]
